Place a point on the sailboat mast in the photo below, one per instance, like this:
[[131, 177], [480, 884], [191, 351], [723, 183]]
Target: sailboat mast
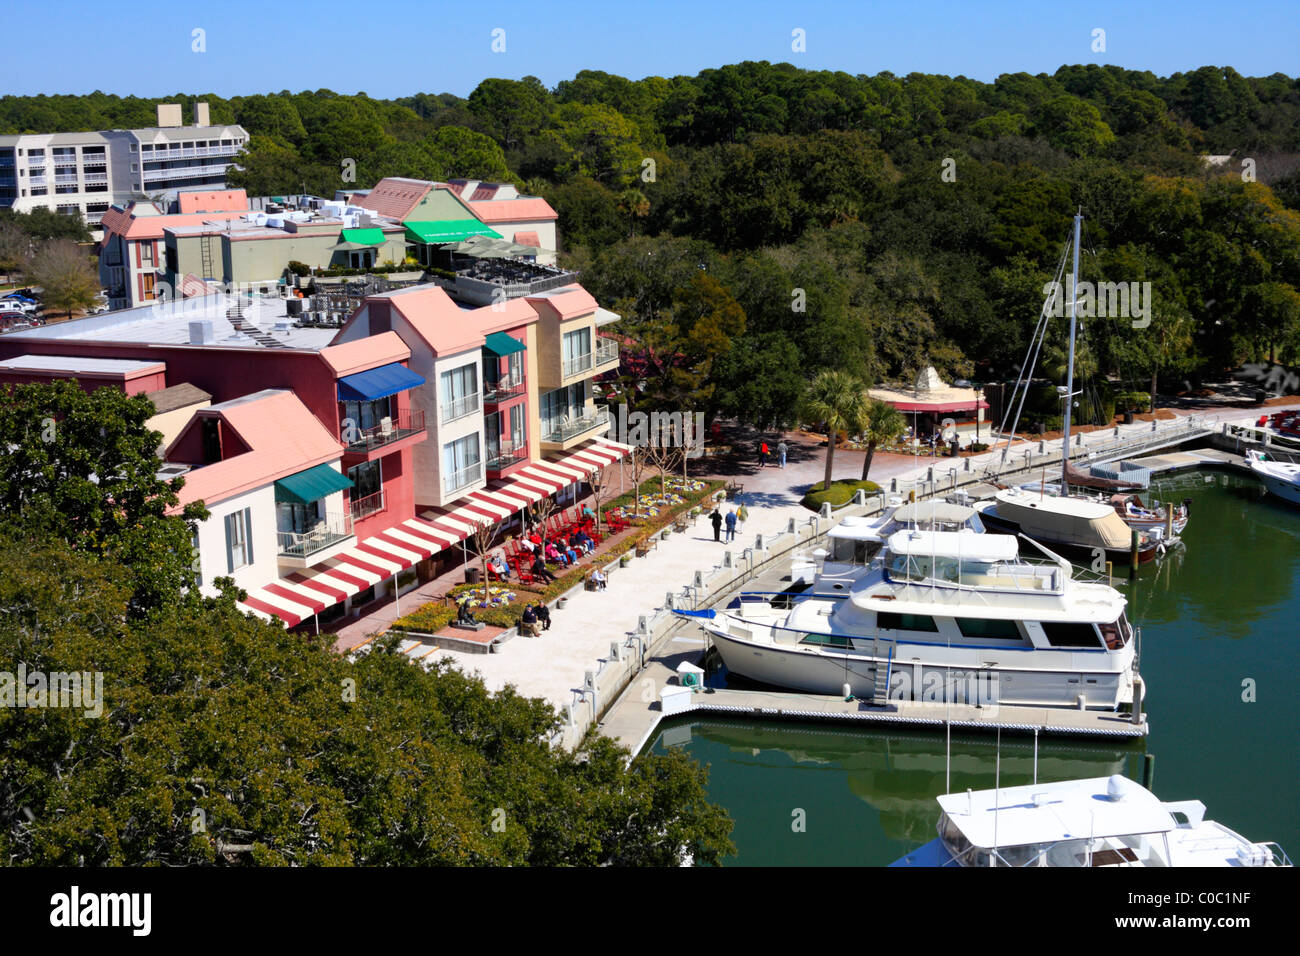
[[1069, 374]]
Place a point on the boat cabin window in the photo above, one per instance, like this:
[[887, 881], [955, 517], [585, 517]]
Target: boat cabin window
[[891, 621], [849, 551], [1117, 633], [1070, 634], [828, 640], [986, 627]]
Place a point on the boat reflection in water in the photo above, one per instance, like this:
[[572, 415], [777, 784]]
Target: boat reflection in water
[[898, 774]]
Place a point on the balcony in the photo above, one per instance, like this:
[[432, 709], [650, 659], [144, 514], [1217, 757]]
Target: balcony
[[505, 389], [570, 428], [391, 429], [577, 365], [459, 408], [187, 172], [606, 351], [501, 459], [303, 545], [158, 155], [369, 505], [461, 479]]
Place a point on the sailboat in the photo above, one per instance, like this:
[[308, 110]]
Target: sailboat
[[1073, 525]]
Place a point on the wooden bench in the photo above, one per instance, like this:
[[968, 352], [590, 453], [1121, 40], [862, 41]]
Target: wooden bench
[[646, 546]]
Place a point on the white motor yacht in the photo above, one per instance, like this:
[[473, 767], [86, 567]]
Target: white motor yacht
[[1279, 477], [941, 616], [1101, 821]]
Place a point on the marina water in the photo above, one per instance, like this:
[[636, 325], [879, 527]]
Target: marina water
[[1220, 623]]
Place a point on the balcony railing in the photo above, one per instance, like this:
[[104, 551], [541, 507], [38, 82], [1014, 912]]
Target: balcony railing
[[577, 364], [66, 180], [506, 388], [369, 505], [161, 154], [606, 351], [460, 407], [393, 428], [186, 172], [459, 479], [500, 459], [328, 532], [572, 427]]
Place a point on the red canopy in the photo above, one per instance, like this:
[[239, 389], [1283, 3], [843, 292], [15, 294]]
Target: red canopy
[[938, 407]]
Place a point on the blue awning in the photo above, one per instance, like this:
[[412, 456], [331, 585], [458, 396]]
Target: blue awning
[[378, 383]]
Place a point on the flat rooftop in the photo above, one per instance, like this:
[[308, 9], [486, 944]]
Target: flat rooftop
[[79, 365], [264, 323]]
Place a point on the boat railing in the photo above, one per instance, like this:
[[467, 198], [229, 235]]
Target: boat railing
[[1279, 855]]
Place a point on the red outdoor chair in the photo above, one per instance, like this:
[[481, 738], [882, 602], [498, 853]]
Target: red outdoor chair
[[524, 571]]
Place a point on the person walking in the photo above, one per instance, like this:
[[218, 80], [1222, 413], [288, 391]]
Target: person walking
[[782, 449], [762, 455], [731, 525], [717, 525]]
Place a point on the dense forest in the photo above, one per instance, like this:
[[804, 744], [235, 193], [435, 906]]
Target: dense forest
[[757, 223]]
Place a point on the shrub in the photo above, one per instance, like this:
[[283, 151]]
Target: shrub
[[978, 446], [300, 269], [839, 493], [430, 619]]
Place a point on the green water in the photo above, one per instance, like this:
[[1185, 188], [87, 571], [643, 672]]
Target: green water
[[1222, 610]]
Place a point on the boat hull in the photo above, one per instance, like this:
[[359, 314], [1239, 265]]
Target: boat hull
[[930, 681], [1280, 488]]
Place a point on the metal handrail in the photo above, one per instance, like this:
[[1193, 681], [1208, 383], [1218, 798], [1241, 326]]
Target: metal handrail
[[579, 363], [460, 407], [369, 505], [459, 479], [328, 531]]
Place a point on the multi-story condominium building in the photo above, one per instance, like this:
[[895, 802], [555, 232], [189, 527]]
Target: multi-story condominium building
[[88, 173], [347, 464]]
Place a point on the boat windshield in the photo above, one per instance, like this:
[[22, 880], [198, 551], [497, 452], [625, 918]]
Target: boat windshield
[[850, 551], [1019, 575]]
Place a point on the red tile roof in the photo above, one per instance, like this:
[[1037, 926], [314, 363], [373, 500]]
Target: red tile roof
[[523, 209], [283, 438], [528, 239], [221, 200], [568, 302], [348, 358], [394, 196]]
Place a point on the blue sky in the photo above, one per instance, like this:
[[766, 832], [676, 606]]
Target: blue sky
[[396, 47]]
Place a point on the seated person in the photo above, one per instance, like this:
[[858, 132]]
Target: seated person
[[463, 614], [598, 576], [544, 616], [540, 570], [527, 545], [553, 554], [588, 513], [585, 540], [571, 554], [498, 564], [528, 623]]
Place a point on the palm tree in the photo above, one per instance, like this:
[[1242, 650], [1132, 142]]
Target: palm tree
[[880, 425], [837, 399]]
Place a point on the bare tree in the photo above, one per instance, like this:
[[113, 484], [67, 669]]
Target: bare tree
[[663, 456], [596, 481], [692, 441], [637, 460], [484, 535], [543, 510]]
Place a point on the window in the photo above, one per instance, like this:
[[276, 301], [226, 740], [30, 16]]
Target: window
[[890, 621], [458, 392], [577, 351], [147, 280], [828, 640], [363, 416], [1070, 634], [146, 252], [460, 463], [985, 627], [239, 544], [367, 479], [561, 405]]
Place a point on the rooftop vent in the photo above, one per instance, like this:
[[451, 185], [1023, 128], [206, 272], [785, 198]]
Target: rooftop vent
[[201, 332]]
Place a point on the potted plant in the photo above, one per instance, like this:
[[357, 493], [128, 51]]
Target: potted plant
[[624, 560]]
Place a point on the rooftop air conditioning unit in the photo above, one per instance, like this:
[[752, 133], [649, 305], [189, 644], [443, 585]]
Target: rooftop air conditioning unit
[[201, 332]]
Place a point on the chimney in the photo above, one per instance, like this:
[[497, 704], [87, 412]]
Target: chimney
[[201, 332], [169, 114], [201, 115]]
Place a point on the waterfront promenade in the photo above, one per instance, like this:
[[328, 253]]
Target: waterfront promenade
[[553, 666]]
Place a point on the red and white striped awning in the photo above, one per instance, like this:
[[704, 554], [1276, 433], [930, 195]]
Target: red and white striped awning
[[302, 594]]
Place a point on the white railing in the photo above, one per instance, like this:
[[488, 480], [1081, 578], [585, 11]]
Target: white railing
[[189, 153], [303, 544], [459, 479], [606, 351], [577, 364], [572, 427], [460, 407]]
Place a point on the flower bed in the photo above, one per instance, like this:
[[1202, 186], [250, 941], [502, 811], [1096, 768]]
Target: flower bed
[[497, 595]]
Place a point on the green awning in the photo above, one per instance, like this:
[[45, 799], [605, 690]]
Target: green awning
[[437, 232], [501, 345], [311, 485], [366, 237]]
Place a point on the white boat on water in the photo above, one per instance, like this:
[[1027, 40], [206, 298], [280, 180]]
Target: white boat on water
[[1279, 477], [941, 616], [1101, 821]]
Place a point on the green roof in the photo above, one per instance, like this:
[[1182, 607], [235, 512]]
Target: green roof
[[500, 344], [311, 485], [365, 237], [440, 231]]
